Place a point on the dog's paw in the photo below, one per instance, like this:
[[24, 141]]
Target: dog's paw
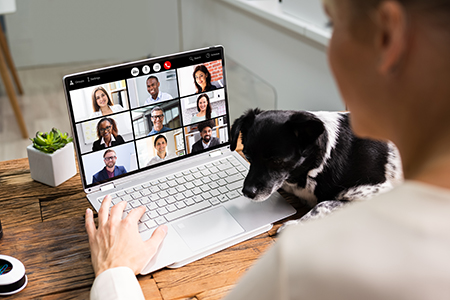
[[286, 224]]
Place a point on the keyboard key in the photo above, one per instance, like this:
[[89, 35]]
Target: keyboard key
[[126, 198], [213, 185], [172, 183], [188, 194], [206, 172], [129, 191], [154, 189], [213, 170], [144, 200], [172, 191], [163, 186], [162, 211], [221, 182], [206, 195], [188, 210], [160, 220], [171, 199], [224, 166], [206, 180], [231, 171], [145, 192], [154, 197], [150, 224], [179, 197], [146, 185], [135, 203], [234, 178], [180, 205], [205, 188], [214, 177], [197, 198], [163, 194], [161, 202], [215, 193], [197, 191], [171, 207], [138, 188], [223, 189], [152, 214], [236, 185], [136, 195], [233, 194], [214, 201], [121, 193], [189, 185], [198, 182], [152, 206], [198, 175], [181, 188], [178, 175], [222, 198], [189, 178], [189, 202], [181, 180], [144, 218]]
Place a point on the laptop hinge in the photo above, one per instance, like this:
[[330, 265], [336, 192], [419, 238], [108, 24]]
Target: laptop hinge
[[215, 153], [107, 187]]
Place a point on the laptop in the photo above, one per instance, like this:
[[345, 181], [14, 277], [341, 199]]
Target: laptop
[[156, 132]]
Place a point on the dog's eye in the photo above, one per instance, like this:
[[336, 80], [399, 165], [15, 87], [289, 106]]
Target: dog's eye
[[277, 161]]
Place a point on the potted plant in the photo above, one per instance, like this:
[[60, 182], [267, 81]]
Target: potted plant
[[51, 157]]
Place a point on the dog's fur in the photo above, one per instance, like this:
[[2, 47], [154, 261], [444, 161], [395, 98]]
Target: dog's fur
[[315, 156]]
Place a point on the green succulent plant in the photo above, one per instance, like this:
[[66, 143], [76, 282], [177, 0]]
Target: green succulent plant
[[51, 141]]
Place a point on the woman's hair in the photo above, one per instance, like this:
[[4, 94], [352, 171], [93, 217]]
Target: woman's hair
[[94, 101], [111, 121], [208, 107], [208, 78], [159, 137]]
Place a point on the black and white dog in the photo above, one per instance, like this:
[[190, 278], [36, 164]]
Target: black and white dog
[[315, 156]]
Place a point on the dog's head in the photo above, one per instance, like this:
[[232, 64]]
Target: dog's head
[[275, 143]]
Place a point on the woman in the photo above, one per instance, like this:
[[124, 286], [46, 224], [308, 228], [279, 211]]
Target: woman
[[108, 134], [160, 145], [102, 104], [391, 63], [202, 79], [204, 109]]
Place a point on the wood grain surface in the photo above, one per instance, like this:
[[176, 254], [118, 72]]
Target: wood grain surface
[[44, 228]]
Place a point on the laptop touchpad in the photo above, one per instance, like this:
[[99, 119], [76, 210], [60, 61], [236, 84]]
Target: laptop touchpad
[[207, 228]]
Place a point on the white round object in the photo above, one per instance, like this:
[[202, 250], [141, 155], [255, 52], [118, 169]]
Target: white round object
[[12, 275]]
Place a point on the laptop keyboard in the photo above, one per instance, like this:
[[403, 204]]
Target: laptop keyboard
[[175, 196]]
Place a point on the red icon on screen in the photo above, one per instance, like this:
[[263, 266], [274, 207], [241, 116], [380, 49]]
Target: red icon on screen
[[167, 65]]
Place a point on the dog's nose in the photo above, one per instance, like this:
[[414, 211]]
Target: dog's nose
[[249, 192]]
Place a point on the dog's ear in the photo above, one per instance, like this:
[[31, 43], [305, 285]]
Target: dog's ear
[[242, 124], [307, 127]]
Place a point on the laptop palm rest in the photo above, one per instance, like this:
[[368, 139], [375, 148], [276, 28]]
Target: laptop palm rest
[[208, 228]]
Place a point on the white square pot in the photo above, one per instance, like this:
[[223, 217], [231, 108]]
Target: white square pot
[[52, 169]]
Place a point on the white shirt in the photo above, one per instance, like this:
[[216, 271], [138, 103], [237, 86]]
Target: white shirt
[[115, 108], [116, 284], [113, 139], [157, 159], [394, 246], [161, 97]]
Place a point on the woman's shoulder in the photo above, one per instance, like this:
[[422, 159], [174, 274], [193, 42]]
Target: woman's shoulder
[[116, 107]]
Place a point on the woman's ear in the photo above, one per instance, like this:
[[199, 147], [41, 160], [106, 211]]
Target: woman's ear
[[392, 35]]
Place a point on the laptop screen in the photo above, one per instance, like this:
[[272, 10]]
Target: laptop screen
[[136, 116]]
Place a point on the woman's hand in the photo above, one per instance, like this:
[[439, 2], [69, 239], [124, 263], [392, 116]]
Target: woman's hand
[[116, 242]]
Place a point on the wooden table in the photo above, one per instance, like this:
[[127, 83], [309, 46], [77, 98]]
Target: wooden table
[[44, 228]]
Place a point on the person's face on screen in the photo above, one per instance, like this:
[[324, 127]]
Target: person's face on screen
[[203, 104], [161, 146], [110, 159], [101, 98], [153, 87], [206, 134], [157, 119], [105, 129], [200, 77]]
